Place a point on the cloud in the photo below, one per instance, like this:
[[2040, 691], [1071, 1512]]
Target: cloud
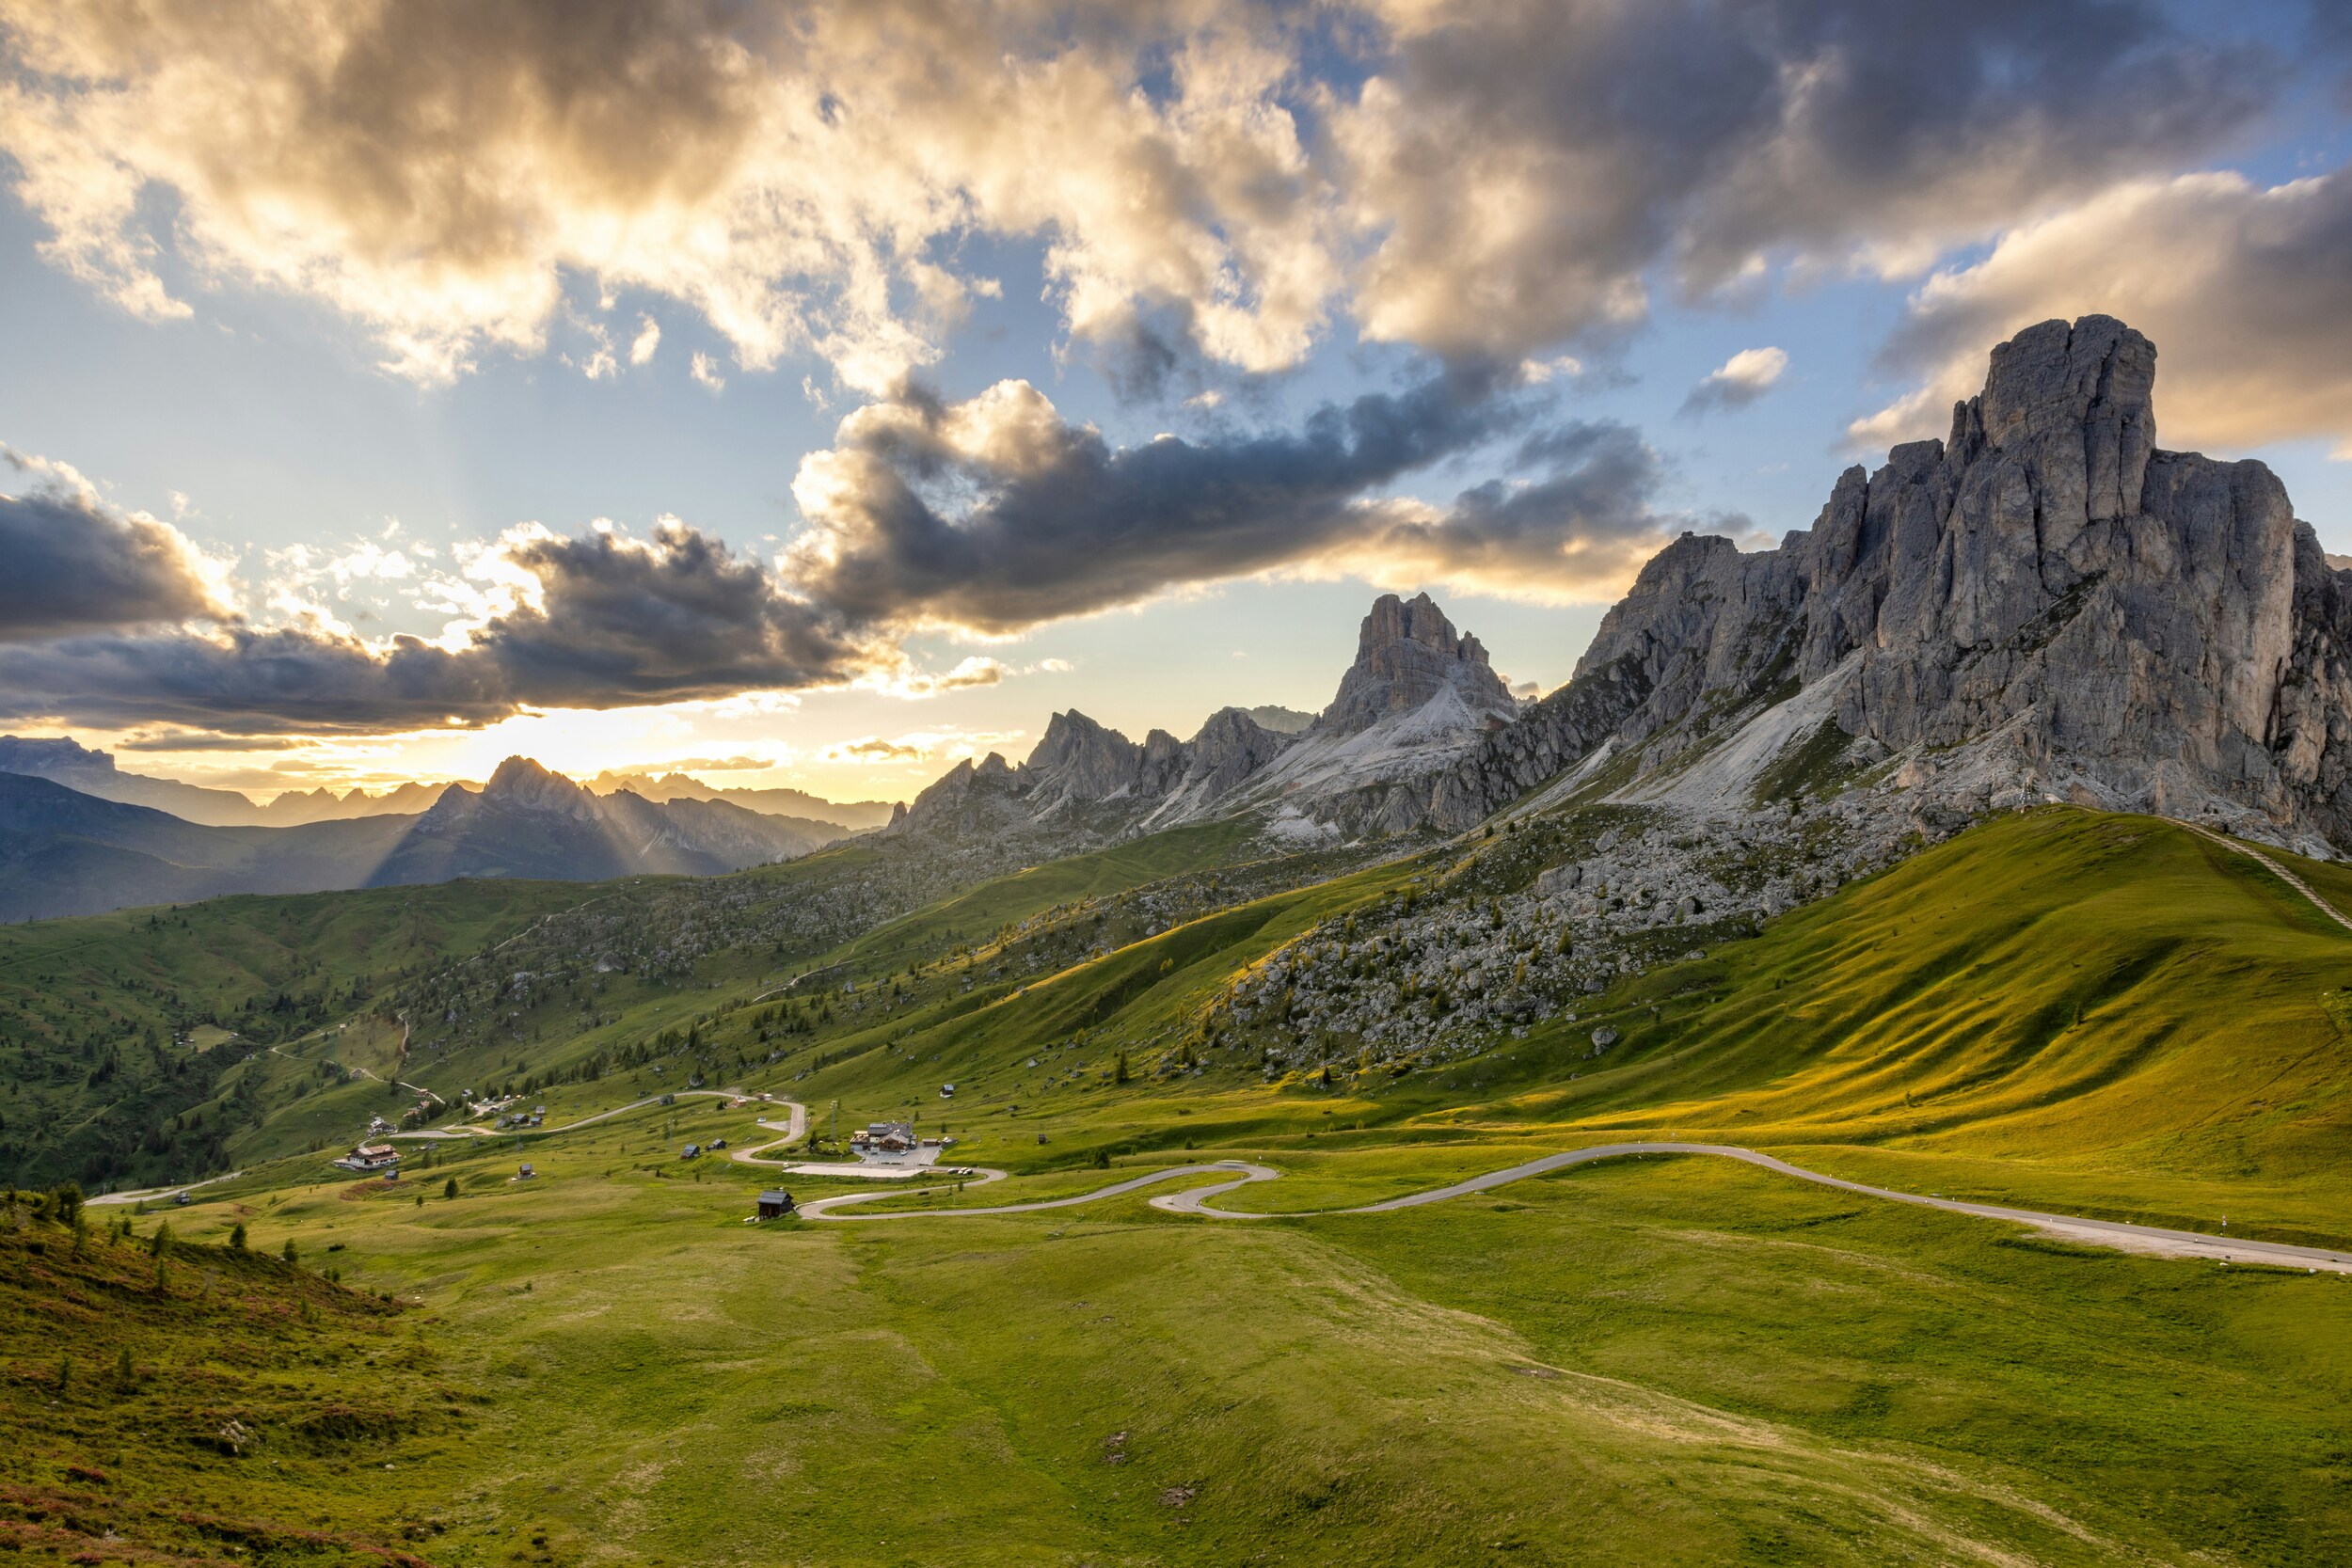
[[203, 741], [648, 338], [705, 372], [912, 684], [599, 622], [70, 564], [1576, 530], [710, 765], [794, 173], [2243, 288], [1745, 378], [873, 748], [995, 514], [1521, 167], [1481, 180]]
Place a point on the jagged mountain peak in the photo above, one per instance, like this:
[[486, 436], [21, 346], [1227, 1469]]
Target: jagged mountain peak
[[2044, 606], [522, 782], [1406, 653]]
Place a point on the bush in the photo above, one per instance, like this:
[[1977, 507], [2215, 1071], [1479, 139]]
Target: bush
[[288, 1251]]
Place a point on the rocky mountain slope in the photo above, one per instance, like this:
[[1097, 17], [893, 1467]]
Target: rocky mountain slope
[[1416, 696], [529, 822], [2043, 605]]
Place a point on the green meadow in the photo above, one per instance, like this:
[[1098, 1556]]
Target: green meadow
[[1653, 1359]]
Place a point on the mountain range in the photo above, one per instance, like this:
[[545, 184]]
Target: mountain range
[[853, 815], [2043, 606], [77, 766], [64, 852], [1416, 696]]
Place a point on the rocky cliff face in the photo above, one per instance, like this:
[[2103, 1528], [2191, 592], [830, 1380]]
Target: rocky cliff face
[[1418, 694], [2042, 603], [1093, 781], [1406, 653]]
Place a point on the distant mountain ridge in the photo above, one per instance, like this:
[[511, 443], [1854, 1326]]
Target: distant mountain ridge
[[64, 852], [526, 821], [65, 761], [854, 816], [1417, 696]]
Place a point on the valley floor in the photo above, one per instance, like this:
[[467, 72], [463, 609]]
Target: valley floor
[[1634, 1359], [1646, 1360]]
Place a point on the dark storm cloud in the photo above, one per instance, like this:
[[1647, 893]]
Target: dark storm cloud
[[995, 514], [619, 622], [1056, 522], [69, 564], [1528, 163]]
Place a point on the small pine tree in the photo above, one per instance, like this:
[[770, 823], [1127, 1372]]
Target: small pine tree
[[448, 1188], [1119, 1073], [160, 1240], [288, 1251], [236, 1237]]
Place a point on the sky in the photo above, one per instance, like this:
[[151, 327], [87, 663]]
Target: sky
[[815, 394]]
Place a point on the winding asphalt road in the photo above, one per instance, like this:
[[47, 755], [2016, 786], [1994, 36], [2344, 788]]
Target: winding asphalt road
[[1238, 1174], [2149, 1239]]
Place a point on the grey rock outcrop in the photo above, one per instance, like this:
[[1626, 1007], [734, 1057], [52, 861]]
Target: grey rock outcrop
[[2091, 615], [1406, 653], [1097, 779], [1418, 694]]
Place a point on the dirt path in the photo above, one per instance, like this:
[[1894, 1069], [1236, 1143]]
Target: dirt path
[[2298, 884], [429, 1134], [1197, 1200]]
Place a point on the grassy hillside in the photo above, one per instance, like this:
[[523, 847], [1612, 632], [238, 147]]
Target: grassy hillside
[[118, 1031], [2101, 1013], [1659, 1361], [167, 1401]]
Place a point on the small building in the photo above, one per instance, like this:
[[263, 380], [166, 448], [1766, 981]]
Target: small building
[[372, 1157], [691, 1151], [526, 1173], [716, 1144], [947, 1091], [890, 1137], [775, 1205]]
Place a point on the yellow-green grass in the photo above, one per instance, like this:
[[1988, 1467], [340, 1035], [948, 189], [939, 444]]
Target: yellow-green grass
[[87, 1007], [2104, 1014], [192, 1403], [1669, 1360], [2094, 1005]]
